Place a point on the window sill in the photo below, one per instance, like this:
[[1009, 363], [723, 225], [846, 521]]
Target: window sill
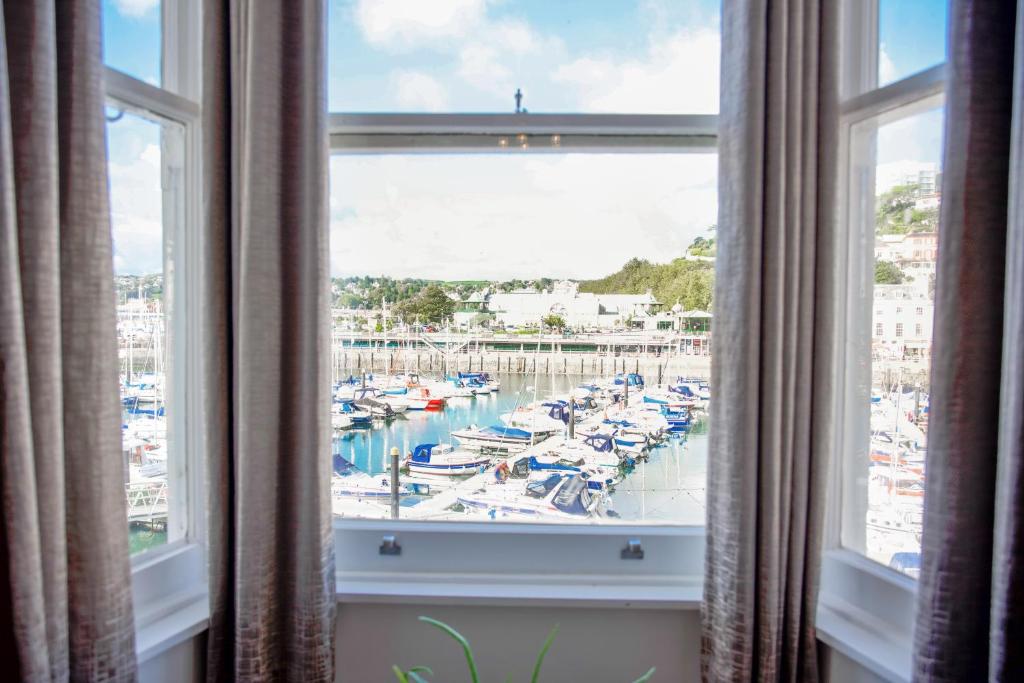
[[865, 611], [170, 598], [187, 617], [501, 589]]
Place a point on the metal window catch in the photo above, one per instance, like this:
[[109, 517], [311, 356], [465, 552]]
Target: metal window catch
[[389, 546], [633, 550]]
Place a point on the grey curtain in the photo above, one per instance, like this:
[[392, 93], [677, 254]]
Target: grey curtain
[[772, 348], [970, 621], [65, 584], [266, 351]]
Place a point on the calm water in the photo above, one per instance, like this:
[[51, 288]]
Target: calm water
[[667, 488], [140, 539]]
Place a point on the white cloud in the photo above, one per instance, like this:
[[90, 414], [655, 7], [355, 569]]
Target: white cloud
[[418, 91], [500, 51], [404, 24], [136, 212], [886, 67], [679, 73], [515, 215], [135, 8]]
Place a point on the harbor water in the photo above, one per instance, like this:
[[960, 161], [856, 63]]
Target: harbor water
[[668, 488]]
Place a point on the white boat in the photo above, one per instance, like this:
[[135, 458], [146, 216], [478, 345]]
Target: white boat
[[499, 438], [443, 459], [555, 496], [550, 416]]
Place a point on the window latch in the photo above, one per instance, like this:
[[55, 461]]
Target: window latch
[[633, 550], [389, 546]]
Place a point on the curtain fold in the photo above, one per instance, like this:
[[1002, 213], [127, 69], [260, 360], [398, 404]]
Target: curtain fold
[[773, 344], [65, 576], [971, 597], [266, 350]]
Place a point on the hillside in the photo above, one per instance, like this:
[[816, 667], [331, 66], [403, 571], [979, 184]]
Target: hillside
[[691, 283]]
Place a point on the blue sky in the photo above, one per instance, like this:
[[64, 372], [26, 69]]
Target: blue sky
[[623, 56]]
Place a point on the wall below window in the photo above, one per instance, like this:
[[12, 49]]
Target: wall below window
[[592, 645]]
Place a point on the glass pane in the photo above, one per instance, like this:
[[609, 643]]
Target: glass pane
[[473, 55], [911, 37], [891, 330], [132, 38], [139, 153], [475, 296]]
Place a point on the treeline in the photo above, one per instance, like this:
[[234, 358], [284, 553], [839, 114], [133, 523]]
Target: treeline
[[690, 283], [367, 292]]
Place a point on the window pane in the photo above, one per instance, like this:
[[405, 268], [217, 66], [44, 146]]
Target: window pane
[[132, 38], [473, 55], [911, 37], [557, 275], [897, 169], [142, 194]]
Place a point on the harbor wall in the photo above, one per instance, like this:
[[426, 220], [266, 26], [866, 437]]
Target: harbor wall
[[652, 366]]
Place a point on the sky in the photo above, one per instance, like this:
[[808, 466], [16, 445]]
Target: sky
[[510, 215]]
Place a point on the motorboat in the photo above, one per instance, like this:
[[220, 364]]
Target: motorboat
[[444, 459], [357, 416], [499, 438], [561, 496]]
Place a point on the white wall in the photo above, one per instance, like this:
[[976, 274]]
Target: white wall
[[592, 645], [181, 663]]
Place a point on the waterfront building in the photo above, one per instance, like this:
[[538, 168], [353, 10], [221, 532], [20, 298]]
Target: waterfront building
[[901, 326]]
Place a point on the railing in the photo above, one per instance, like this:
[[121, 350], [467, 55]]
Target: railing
[[147, 502]]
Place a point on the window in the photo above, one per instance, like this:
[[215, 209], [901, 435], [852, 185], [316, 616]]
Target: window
[[152, 119], [132, 37], [891, 131], [879, 330], [141, 150], [918, 330], [472, 56], [912, 37], [531, 225]]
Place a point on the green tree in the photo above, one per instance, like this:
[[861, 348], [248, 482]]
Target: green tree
[[432, 304], [888, 273], [555, 322]]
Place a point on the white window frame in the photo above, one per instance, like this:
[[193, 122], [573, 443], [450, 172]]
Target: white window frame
[[497, 563], [169, 584], [865, 610]]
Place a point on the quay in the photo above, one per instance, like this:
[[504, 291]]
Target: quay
[[655, 356]]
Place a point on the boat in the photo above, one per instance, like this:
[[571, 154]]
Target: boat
[[499, 438], [550, 416], [358, 417], [444, 459], [481, 379], [556, 495]]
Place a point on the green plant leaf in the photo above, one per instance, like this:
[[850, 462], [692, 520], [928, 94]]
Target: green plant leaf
[[399, 674], [423, 669], [543, 651], [646, 677], [466, 649]]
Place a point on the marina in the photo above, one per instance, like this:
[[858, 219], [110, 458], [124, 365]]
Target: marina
[[662, 483]]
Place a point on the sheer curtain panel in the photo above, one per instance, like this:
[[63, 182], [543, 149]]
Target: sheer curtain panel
[[65, 583], [266, 345], [773, 343]]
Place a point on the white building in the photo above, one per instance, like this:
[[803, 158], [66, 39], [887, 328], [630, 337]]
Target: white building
[[525, 307], [902, 322], [915, 254]]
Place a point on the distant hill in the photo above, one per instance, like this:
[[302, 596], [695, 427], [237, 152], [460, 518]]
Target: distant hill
[[691, 283]]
